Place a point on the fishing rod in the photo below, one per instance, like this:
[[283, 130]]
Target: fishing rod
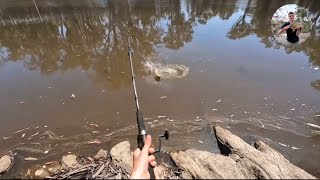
[[140, 122]]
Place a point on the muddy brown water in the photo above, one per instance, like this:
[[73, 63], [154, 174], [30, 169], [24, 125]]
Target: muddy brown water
[[239, 77]]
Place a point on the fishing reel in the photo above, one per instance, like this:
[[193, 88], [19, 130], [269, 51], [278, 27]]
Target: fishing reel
[[166, 136]]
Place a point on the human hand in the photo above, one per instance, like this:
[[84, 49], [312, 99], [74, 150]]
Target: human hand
[[142, 159], [286, 27]]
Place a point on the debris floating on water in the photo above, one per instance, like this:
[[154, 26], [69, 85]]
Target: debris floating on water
[[34, 134], [198, 119], [45, 126], [95, 132], [21, 102], [163, 97], [30, 159], [303, 105], [20, 130], [200, 141], [219, 100], [214, 110], [6, 137], [231, 115], [317, 115], [37, 127], [313, 125], [23, 135], [73, 96], [171, 120], [95, 142], [293, 109], [316, 68], [283, 144], [96, 125], [295, 148], [161, 116]]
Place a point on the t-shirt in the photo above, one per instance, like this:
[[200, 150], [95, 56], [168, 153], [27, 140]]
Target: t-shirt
[[291, 35]]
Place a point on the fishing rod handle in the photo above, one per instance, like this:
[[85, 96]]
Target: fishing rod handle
[[151, 172], [140, 122], [141, 139]]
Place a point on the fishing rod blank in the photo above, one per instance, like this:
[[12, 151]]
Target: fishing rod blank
[[141, 127]]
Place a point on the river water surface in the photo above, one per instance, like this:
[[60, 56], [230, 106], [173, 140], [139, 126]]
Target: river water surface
[[65, 83]]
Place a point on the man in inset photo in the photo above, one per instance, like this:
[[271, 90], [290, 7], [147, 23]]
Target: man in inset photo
[[292, 29]]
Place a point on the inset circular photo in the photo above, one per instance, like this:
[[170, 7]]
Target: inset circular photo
[[291, 24]]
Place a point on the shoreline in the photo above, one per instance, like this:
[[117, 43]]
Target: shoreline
[[236, 160]]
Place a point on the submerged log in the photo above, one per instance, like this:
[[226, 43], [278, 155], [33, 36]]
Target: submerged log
[[238, 160]]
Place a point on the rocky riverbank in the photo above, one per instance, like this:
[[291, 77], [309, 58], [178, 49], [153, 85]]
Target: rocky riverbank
[[237, 160]]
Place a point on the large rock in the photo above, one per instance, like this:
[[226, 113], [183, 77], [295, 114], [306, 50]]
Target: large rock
[[205, 165], [69, 161], [238, 160], [122, 156], [5, 163], [262, 161], [101, 154]]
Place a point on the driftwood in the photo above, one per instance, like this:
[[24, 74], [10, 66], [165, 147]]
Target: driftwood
[[237, 160]]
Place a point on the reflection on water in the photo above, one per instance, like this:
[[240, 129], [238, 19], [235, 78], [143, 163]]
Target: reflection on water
[[238, 76]]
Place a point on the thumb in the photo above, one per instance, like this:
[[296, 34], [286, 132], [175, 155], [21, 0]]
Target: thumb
[[147, 144], [136, 154]]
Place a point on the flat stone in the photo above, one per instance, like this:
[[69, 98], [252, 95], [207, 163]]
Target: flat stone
[[5, 163], [69, 161], [122, 156], [101, 154]]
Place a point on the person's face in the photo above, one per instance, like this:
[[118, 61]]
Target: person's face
[[291, 17]]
